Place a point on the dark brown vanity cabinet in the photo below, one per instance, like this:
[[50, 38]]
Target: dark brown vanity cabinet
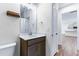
[[33, 47]]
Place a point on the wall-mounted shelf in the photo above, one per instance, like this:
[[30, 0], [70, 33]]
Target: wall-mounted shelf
[[12, 13]]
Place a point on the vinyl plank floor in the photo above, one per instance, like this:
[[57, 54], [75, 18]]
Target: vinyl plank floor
[[68, 47]]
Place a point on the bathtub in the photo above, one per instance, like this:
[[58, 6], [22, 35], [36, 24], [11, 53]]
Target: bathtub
[[7, 49]]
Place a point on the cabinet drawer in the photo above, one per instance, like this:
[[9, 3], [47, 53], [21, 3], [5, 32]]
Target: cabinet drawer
[[35, 40]]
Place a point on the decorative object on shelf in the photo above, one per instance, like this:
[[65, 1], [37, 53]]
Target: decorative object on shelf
[[12, 13]]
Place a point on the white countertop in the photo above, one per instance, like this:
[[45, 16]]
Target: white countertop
[[28, 37]]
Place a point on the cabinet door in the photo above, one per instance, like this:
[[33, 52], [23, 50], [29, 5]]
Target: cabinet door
[[41, 48], [33, 50], [37, 49]]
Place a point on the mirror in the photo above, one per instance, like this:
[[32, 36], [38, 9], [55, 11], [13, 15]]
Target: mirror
[[28, 19]]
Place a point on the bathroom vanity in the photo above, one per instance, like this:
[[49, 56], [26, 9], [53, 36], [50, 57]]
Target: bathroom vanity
[[32, 45]]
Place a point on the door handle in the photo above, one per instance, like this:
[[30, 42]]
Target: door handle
[[56, 33], [52, 34]]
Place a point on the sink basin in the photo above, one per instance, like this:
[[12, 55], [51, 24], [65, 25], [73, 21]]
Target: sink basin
[[28, 37]]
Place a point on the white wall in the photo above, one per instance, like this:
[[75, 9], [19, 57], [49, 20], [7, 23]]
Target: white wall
[[44, 16], [9, 26], [78, 27], [44, 25]]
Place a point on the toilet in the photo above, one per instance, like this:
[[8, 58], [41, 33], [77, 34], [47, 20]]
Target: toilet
[[8, 49]]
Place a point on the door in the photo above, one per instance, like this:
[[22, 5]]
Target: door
[[55, 29]]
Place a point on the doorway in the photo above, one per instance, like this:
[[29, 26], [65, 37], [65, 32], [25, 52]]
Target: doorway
[[68, 38], [69, 33]]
